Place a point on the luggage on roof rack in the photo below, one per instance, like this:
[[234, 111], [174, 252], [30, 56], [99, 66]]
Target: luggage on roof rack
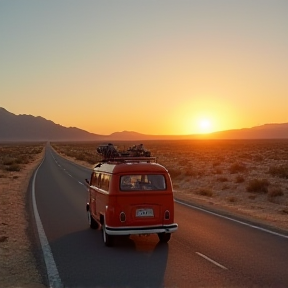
[[134, 153]]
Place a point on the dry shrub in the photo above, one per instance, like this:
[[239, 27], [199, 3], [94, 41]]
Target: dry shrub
[[8, 161], [13, 167], [258, 158], [222, 179], [285, 211], [174, 172], [245, 156], [225, 187], [258, 186], [239, 179], [176, 186], [14, 155], [195, 173], [182, 162], [275, 192], [232, 199], [279, 171], [217, 171], [205, 192], [216, 163], [190, 172], [22, 159], [237, 168]]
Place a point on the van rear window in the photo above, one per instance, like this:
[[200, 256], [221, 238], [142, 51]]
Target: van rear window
[[142, 182]]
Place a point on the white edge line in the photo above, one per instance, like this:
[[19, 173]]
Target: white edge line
[[52, 271], [231, 219], [212, 261]]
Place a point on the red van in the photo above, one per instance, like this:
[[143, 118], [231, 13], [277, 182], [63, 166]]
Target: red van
[[129, 193]]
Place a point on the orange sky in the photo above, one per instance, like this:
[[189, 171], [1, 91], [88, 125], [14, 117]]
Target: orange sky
[[155, 67]]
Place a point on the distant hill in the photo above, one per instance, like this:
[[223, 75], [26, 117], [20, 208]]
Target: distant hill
[[30, 128], [267, 131]]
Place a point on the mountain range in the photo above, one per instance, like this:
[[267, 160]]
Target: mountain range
[[30, 128]]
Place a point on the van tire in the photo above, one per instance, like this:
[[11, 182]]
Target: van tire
[[164, 237], [107, 239], [92, 223]]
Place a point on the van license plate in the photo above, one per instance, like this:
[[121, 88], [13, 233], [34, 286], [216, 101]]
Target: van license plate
[[144, 212]]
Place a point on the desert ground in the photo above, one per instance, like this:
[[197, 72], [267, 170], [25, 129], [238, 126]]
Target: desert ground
[[244, 178]]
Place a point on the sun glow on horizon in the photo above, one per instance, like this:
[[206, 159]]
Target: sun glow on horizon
[[204, 126]]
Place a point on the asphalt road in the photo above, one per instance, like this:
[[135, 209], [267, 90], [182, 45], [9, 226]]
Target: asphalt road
[[206, 251]]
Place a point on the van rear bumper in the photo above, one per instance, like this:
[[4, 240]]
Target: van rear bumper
[[141, 230]]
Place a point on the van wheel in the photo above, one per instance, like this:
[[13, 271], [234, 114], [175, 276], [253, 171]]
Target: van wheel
[[107, 239], [92, 223], [164, 237]]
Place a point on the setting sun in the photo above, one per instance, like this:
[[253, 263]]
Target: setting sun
[[204, 125]]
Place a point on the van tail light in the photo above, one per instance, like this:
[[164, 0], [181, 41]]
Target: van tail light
[[122, 217], [167, 215]]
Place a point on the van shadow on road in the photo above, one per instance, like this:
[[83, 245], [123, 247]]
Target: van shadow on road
[[83, 260]]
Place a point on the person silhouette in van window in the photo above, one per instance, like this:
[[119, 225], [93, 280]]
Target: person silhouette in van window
[[126, 182]]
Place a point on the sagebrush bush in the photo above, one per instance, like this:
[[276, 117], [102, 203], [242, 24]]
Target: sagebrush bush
[[225, 187], [8, 161], [279, 171], [22, 159], [222, 179], [190, 172], [232, 199], [174, 172], [237, 167], [205, 192], [239, 179], [275, 192], [13, 167], [216, 163], [258, 185], [258, 158], [217, 171], [176, 186]]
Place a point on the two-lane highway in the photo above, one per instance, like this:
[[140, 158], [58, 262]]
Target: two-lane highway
[[206, 251]]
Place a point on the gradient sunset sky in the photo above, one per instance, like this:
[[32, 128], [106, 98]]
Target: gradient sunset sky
[[154, 67]]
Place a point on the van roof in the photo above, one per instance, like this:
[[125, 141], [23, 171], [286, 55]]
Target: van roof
[[129, 167]]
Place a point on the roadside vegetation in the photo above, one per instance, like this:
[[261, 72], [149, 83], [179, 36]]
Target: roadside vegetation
[[17, 266], [14, 156]]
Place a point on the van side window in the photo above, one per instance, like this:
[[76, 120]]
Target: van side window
[[93, 179], [106, 182], [142, 182]]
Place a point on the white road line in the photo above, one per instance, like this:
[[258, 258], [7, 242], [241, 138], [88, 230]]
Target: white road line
[[231, 219], [212, 261], [52, 271], [68, 172]]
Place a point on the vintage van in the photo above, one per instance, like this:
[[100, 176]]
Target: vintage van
[[130, 193]]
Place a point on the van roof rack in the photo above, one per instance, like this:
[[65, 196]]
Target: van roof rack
[[135, 153], [130, 160]]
